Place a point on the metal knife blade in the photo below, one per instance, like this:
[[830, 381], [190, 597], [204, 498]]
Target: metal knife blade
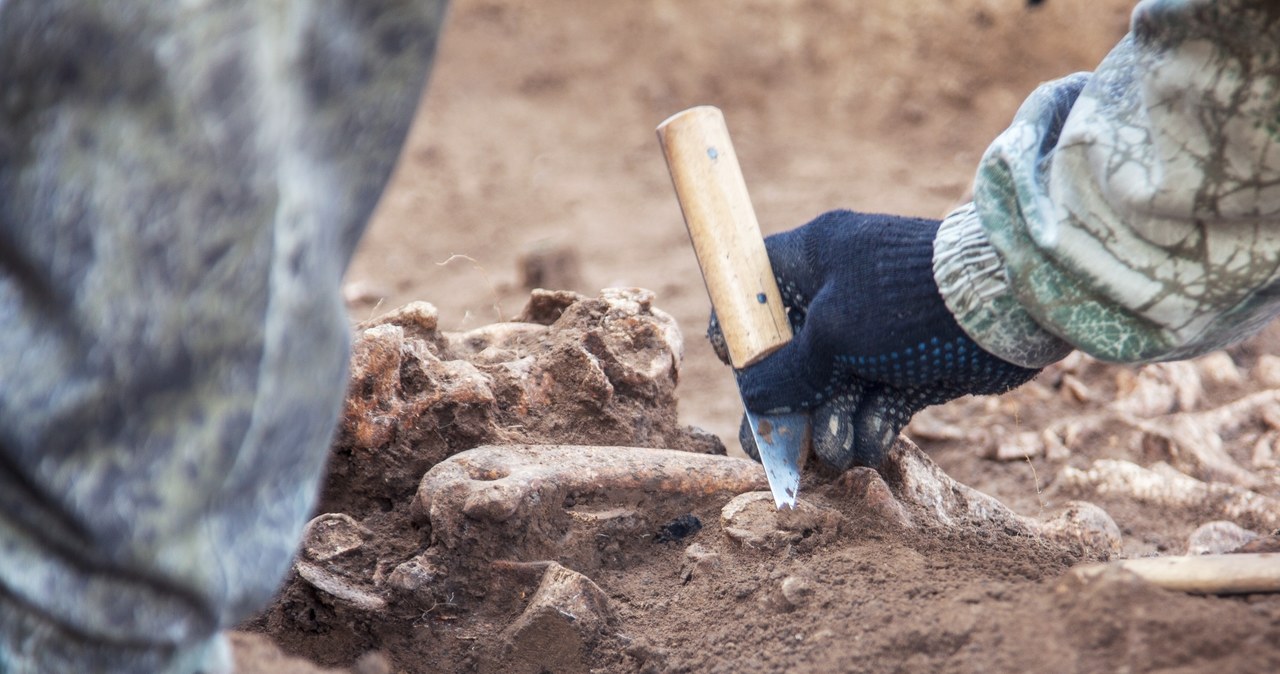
[[779, 439], [735, 266]]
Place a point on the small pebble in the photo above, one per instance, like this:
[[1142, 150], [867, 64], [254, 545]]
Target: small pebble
[[1217, 538], [796, 591]]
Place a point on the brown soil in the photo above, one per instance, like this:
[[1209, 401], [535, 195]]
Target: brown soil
[[534, 163]]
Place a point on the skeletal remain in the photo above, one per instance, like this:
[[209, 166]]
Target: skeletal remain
[[1267, 371], [932, 498], [1158, 389], [419, 394], [1201, 574], [535, 502], [348, 591], [1219, 368], [1055, 445], [1263, 455], [1164, 486], [1077, 391], [1159, 401], [1192, 442], [331, 535], [327, 541]]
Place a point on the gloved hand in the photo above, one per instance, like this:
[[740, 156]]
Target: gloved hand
[[874, 343]]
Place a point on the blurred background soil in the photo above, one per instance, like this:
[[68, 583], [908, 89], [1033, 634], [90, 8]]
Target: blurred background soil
[[533, 163], [536, 137]]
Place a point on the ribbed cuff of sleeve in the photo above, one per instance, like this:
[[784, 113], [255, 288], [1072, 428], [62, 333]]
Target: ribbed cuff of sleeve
[[972, 280]]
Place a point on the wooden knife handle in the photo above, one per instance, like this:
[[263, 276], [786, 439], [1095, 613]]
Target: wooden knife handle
[[725, 233]]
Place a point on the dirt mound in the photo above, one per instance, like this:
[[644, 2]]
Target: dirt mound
[[452, 540]]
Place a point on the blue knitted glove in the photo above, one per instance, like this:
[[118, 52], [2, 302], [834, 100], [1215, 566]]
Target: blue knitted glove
[[874, 343]]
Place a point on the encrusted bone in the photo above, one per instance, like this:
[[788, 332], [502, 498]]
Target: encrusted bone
[[563, 502], [1166, 487]]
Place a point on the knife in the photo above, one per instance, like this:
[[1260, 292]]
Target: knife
[[735, 266]]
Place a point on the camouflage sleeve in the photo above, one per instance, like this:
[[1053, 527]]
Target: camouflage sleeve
[[182, 185], [1133, 213]]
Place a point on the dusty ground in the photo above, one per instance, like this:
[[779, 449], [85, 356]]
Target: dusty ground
[[534, 156]]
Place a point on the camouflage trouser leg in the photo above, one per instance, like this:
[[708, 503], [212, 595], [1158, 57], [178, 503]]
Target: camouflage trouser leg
[[181, 188], [46, 648]]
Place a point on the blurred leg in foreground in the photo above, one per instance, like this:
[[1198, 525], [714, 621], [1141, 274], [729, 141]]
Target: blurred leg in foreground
[[181, 188]]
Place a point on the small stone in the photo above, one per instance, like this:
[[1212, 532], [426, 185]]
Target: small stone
[[568, 610], [679, 528], [1017, 447], [1054, 448], [796, 591], [331, 535], [1218, 537], [607, 521], [418, 320], [927, 425], [363, 292], [699, 561], [1086, 526], [415, 575], [865, 488], [753, 520], [1263, 454], [822, 634], [1075, 390]]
